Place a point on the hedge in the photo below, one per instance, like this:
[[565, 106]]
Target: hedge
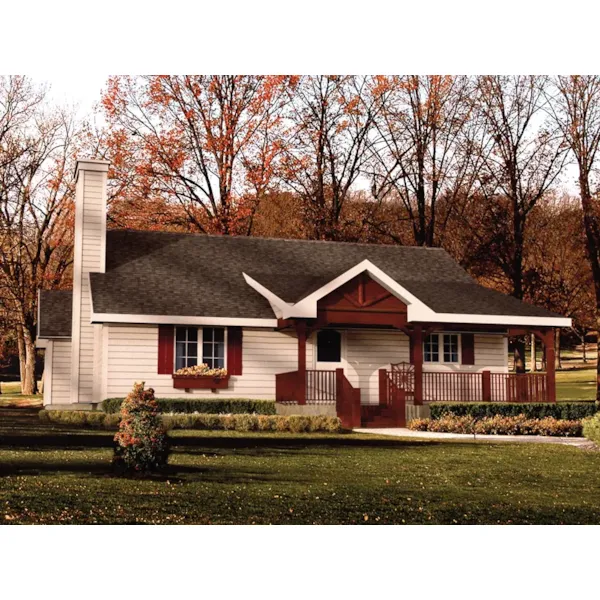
[[532, 410], [211, 406], [233, 422], [498, 425], [591, 428]]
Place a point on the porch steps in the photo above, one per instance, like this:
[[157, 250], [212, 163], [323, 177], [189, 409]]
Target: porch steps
[[380, 416]]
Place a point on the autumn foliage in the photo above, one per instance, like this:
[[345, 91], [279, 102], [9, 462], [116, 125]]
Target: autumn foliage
[[141, 442]]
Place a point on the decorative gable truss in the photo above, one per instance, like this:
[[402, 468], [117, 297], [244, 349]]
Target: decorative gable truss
[[416, 310]]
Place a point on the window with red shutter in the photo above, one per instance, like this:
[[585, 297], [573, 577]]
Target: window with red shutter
[[234, 350], [468, 348], [165, 349]]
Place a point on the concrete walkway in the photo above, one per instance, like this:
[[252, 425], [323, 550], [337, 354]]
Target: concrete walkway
[[579, 442]]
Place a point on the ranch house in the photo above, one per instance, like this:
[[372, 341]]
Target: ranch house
[[372, 333]]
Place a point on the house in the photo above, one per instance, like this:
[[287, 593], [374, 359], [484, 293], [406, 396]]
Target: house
[[369, 332]]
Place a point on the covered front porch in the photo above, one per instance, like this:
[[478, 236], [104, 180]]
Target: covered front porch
[[403, 381], [370, 361]]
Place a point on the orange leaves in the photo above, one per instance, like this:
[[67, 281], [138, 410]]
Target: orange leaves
[[204, 141]]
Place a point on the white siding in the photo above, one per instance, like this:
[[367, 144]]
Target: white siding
[[60, 373], [133, 356], [91, 260], [368, 351]]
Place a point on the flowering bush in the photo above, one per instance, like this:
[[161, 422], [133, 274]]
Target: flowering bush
[[499, 425], [141, 442], [201, 370], [591, 428]]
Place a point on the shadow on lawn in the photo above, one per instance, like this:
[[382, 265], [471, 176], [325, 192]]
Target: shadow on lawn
[[21, 429]]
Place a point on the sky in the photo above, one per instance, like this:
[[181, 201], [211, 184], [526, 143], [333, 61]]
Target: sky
[[82, 90]]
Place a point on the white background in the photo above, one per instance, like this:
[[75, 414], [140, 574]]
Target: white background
[[75, 45]]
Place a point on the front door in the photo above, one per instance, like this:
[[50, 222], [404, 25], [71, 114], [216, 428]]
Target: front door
[[328, 351], [321, 383]]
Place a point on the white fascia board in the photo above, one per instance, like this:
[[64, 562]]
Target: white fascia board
[[498, 320], [277, 304], [307, 307], [41, 343], [179, 320]]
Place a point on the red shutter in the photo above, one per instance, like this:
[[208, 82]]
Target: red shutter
[[166, 340], [234, 350], [468, 348]]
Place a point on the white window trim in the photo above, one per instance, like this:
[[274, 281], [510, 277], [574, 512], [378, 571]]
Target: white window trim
[[440, 335], [200, 343]]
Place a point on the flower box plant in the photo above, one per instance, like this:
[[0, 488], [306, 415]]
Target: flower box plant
[[201, 377]]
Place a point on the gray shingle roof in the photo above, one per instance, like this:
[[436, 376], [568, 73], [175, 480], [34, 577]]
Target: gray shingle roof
[[56, 307], [162, 273]]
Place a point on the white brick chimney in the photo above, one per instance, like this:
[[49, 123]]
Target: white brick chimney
[[89, 257]]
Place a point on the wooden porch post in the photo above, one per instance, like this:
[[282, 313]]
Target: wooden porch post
[[550, 366], [486, 386], [417, 342], [301, 333]]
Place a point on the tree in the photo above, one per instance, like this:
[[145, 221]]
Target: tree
[[36, 208], [326, 147], [207, 142], [557, 276], [424, 156], [523, 154], [576, 109]]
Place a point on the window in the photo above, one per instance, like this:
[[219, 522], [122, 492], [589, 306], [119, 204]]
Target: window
[[213, 347], [432, 348], [186, 347], [329, 346], [450, 348], [212, 340], [449, 343]]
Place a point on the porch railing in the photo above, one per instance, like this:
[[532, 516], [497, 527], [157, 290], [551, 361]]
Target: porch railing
[[519, 387], [318, 387], [321, 387], [452, 387], [473, 387]]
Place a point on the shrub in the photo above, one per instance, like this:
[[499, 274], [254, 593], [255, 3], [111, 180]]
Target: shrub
[[141, 443], [498, 425], [591, 428], [534, 410], [83, 418], [240, 422], [215, 406]]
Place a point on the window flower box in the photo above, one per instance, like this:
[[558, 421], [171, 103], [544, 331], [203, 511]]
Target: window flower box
[[200, 382]]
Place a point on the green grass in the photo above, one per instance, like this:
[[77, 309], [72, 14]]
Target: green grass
[[11, 396], [576, 384], [51, 474]]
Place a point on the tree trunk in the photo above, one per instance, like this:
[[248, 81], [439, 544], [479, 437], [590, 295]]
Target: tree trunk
[[557, 364], [28, 382], [584, 349], [519, 354], [22, 355], [533, 367]]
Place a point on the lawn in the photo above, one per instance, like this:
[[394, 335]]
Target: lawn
[[11, 396], [51, 474], [576, 384]]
